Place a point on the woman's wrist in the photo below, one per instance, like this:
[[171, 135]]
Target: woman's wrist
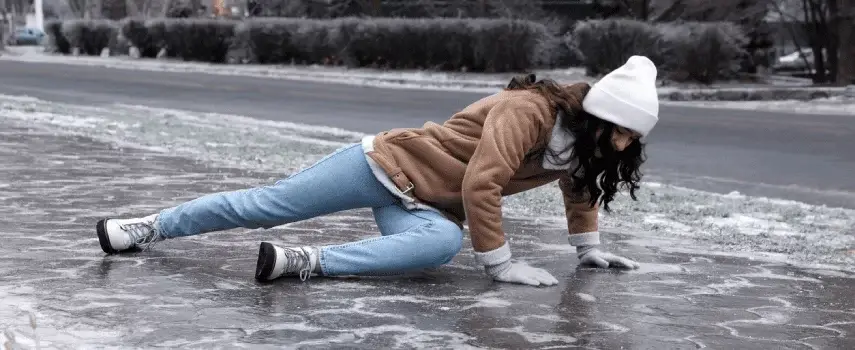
[[584, 239]]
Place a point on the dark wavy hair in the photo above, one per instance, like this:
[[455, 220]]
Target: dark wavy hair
[[601, 175]]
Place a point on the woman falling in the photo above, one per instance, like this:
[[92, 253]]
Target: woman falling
[[423, 183]]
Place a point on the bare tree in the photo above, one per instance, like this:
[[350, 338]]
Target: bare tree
[[819, 20], [846, 37], [4, 25], [635, 9], [748, 14], [523, 9], [341, 8], [79, 8]]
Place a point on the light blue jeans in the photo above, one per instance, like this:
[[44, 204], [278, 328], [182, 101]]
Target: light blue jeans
[[411, 239]]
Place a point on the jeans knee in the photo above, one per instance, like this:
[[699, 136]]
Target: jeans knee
[[448, 240]]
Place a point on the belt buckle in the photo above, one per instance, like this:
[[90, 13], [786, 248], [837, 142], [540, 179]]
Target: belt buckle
[[409, 188]]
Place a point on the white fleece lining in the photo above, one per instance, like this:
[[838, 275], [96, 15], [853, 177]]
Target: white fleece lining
[[380, 174], [495, 256], [587, 238], [558, 142]]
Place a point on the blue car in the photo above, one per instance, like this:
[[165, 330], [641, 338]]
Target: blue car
[[27, 36]]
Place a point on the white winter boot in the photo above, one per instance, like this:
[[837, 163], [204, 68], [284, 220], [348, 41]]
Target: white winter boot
[[274, 262], [117, 235]]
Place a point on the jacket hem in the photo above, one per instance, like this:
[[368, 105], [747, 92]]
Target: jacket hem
[[408, 201]]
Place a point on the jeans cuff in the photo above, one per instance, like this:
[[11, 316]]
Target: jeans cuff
[[322, 261], [158, 225]]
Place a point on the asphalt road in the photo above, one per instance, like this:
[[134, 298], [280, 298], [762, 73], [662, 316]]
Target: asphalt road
[[800, 157], [199, 292]]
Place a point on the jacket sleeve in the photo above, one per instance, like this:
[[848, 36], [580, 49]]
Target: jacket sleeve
[[511, 129], [581, 216]]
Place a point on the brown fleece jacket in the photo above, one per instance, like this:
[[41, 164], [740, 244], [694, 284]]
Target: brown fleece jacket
[[464, 166]]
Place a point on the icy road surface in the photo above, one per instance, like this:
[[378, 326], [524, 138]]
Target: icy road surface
[[66, 166]]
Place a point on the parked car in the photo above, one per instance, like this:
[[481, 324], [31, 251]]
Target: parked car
[[26, 36], [795, 61]]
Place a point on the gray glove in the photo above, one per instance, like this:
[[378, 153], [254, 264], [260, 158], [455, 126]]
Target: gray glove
[[520, 272], [586, 249], [497, 264], [590, 255]]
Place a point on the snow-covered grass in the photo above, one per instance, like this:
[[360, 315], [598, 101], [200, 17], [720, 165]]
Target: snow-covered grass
[[673, 218], [837, 105], [666, 217]]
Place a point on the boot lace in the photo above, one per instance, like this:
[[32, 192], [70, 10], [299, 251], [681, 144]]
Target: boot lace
[[298, 260], [143, 234]]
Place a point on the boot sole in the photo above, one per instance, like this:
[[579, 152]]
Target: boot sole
[[266, 262], [104, 238]]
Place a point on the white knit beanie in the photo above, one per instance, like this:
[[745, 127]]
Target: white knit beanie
[[627, 96]]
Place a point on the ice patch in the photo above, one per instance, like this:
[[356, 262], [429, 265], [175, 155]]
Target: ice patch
[[21, 319], [661, 221], [586, 297], [409, 336], [657, 268], [694, 221], [753, 225], [406, 336], [539, 337], [488, 302], [686, 220], [221, 139], [766, 273], [96, 295]]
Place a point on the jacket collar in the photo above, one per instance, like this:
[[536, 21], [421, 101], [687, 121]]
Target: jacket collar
[[560, 138], [558, 142]]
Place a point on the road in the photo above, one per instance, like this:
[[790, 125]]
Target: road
[[199, 292], [790, 156]]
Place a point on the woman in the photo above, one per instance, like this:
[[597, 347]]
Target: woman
[[423, 183]]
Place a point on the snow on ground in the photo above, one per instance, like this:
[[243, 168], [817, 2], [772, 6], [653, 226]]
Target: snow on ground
[[667, 217], [424, 80], [679, 219], [832, 105]]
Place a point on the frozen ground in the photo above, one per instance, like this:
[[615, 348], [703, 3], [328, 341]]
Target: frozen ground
[[421, 80], [714, 267], [782, 230]]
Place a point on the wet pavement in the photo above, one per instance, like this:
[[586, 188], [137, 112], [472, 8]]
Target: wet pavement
[[199, 292]]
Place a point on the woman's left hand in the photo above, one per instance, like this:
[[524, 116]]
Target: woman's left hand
[[590, 255]]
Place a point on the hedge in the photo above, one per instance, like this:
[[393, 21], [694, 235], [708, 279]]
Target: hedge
[[442, 44], [560, 51], [196, 39], [89, 37], [703, 52], [608, 44], [286, 40], [687, 51], [393, 43], [56, 41]]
